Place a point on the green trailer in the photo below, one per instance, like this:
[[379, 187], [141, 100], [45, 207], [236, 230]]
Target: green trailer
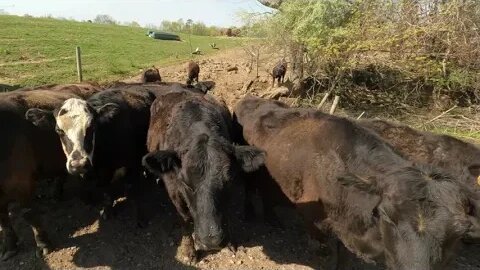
[[163, 35]]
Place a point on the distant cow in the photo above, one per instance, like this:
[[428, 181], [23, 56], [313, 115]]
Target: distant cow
[[190, 147], [279, 72], [151, 75], [344, 178], [106, 132], [193, 69], [28, 153]]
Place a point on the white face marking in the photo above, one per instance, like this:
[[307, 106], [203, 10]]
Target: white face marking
[[73, 119]]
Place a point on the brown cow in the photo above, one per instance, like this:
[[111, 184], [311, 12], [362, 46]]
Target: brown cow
[[193, 69], [83, 90], [151, 75], [459, 158], [344, 178], [28, 153]]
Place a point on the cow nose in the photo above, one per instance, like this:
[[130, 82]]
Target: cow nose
[[79, 166], [214, 239]]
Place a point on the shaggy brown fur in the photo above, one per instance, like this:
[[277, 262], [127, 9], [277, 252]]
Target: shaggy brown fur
[[344, 178]]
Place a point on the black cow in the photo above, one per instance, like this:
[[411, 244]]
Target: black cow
[[345, 179], [279, 71], [190, 147]]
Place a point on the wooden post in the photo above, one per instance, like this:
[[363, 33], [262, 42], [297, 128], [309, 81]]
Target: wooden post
[[360, 116], [334, 105], [324, 99], [258, 56], [79, 64]]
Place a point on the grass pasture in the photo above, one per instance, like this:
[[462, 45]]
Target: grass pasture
[[36, 51]]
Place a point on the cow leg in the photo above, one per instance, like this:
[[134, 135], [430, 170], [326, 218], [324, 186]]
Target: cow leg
[[9, 245], [327, 245], [33, 217], [249, 209], [187, 244], [104, 183], [135, 191], [58, 183]]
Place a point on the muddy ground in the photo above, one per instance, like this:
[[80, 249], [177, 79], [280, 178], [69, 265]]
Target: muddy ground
[[83, 241]]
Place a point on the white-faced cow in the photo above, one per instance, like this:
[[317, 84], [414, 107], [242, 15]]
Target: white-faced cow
[[346, 180], [102, 134], [190, 147], [27, 154]]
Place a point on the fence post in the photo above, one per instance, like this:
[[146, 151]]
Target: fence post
[[79, 64], [334, 105], [324, 99]]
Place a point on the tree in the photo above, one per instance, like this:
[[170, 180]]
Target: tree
[[188, 24], [104, 19], [134, 24], [275, 4]]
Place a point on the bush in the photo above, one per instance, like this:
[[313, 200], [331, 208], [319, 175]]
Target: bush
[[414, 51]]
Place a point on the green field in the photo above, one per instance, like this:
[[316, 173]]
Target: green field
[[36, 51]]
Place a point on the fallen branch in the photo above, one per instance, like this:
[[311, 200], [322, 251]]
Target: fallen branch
[[246, 86], [276, 93], [360, 116], [441, 115], [324, 99]]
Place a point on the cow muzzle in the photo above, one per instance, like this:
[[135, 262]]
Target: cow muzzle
[[79, 166], [210, 242]]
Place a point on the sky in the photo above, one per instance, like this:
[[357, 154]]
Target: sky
[[211, 12]]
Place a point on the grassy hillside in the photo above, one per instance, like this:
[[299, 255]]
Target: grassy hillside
[[37, 51]]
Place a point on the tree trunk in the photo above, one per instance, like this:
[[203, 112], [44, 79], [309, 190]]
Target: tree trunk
[[297, 64]]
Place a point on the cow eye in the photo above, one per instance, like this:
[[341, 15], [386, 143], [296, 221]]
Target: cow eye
[[470, 209], [59, 131]]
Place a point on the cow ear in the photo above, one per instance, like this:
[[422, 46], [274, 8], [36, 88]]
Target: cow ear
[[351, 180], [161, 161], [249, 158], [108, 111], [41, 118]]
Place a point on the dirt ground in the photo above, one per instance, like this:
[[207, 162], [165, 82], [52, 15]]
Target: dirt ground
[[83, 241]]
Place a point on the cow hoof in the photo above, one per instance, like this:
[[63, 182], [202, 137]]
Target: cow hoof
[[232, 247], [107, 213], [41, 252], [187, 251]]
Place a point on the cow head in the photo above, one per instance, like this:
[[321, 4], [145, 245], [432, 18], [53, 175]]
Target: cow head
[[205, 170], [420, 217], [151, 75], [75, 123]]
